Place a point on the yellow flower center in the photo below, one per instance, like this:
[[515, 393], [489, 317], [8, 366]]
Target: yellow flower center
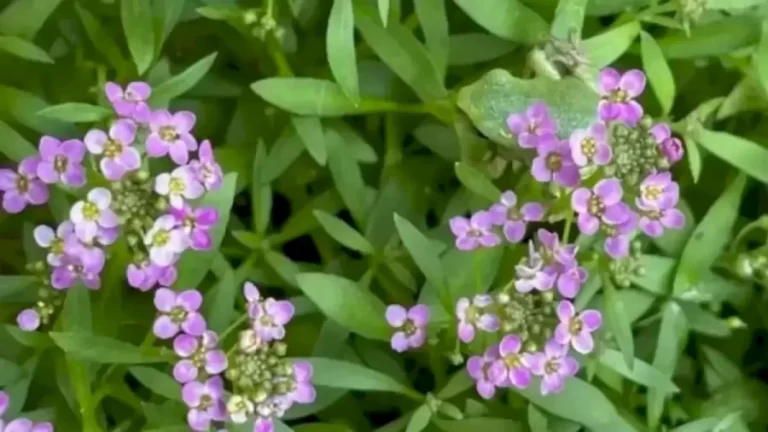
[[472, 314], [60, 164], [551, 366], [178, 314], [513, 361], [652, 193], [513, 214], [91, 211], [554, 161], [176, 185], [112, 149], [652, 214], [160, 238], [57, 246], [575, 326], [168, 133], [589, 146], [619, 96], [595, 206], [22, 184]]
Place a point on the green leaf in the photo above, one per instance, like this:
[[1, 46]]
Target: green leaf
[[25, 18], [101, 39], [24, 49], [19, 390], [420, 419], [569, 19], [221, 299], [194, 265], [136, 16], [709, 238], [9, 372], [706, 424], [311, 97], [347, 176], [422, 251], [761, 58], [641, 373], [340, 48], [704, 322], [310, 131], [476, 182], [343, 233], [672, 336], [489, 101], [570, 404], [13, 145], [715, 38], [100, 349], [10, 285], [485, 424], [75, 112], [342, 374], [745, 155], [658, 71], [283, 266], [23, 107], [463, 48], [402, 52], [159, 382], [507, 19], [383, 7], [618, 322], [434, 23], [33, 339], [607, 47], [183, 82], [537, 421], [343, 301], [658, 273]]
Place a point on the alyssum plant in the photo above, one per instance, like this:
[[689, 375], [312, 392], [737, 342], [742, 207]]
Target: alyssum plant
[[612, 178]]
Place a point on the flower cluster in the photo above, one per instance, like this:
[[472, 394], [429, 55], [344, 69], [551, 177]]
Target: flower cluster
[[19, 424], [156, 216], [613, 177], [264, 383]]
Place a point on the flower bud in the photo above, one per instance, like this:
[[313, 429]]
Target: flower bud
[[142, 175], [249, 341], [279, 348]]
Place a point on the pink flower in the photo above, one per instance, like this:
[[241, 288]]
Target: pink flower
[[553, 365], [165, 241], [178, 186], [658, 190], [170, 133], [514, 221], [474, 314], [554, 162], [61, 162], [510, 369], [533, 126], [602, 204], [590, 145], [198, 355], [269, 316], [474, 232], [120, 156], [93, 214], [479, 368], [205, 168], [131, 102], [576, 330], [671, 148], [410, 325], [196, 224], [23, 186], [178, 312], [618, 93], [205, 401]]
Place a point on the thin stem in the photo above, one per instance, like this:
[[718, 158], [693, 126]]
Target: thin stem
[[568, 223]]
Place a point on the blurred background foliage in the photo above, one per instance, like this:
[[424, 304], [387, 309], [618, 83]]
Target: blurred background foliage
[[323, 167]]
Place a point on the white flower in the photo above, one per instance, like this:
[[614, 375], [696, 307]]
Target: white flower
[[179, 185], [92, 214], [239, 408], [165, 241], [53, 241]]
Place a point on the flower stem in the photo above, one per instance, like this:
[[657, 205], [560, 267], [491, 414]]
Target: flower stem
[[567, 230]]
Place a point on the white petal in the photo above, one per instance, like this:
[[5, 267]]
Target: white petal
[[101, 197], [44, 235], [76, 213], [163, 184]]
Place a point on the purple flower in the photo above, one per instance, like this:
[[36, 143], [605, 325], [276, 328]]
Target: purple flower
[[473, 314], [618, 93], [576, 329], [510, 369], [554, 252], [197, 353], [54, 241], [61, 161], [170, 133], [92, 214], [165, 241], [514, 221], [205, 168], [658, 191], [145, 275], [602, 203], [4, 402], [132, 102], [28, 320], [671, 148], [410, 325], [120, 156], [263, 424], [90, 254], [553, 365], [570, 280], [178, 312], [304, 392], [196, 224], [25, 425], [653, 220], [178, 186], [590, 145], [554, 162], [206, 402], [72, 269], [475, 231], [533, 126], [530, 274], [269, 316], [479, 368], [618, 237], [23, 186]]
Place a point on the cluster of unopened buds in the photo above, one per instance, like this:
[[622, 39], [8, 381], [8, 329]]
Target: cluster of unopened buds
[[155, 216], [19, 424], [613, 178]]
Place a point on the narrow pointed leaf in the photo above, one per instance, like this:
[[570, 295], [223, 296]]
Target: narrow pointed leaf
[[136, 16], [507, 19], [343, 233], [75, 112], [340, 48], [183, 82], [659, 74], [24, 49]]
